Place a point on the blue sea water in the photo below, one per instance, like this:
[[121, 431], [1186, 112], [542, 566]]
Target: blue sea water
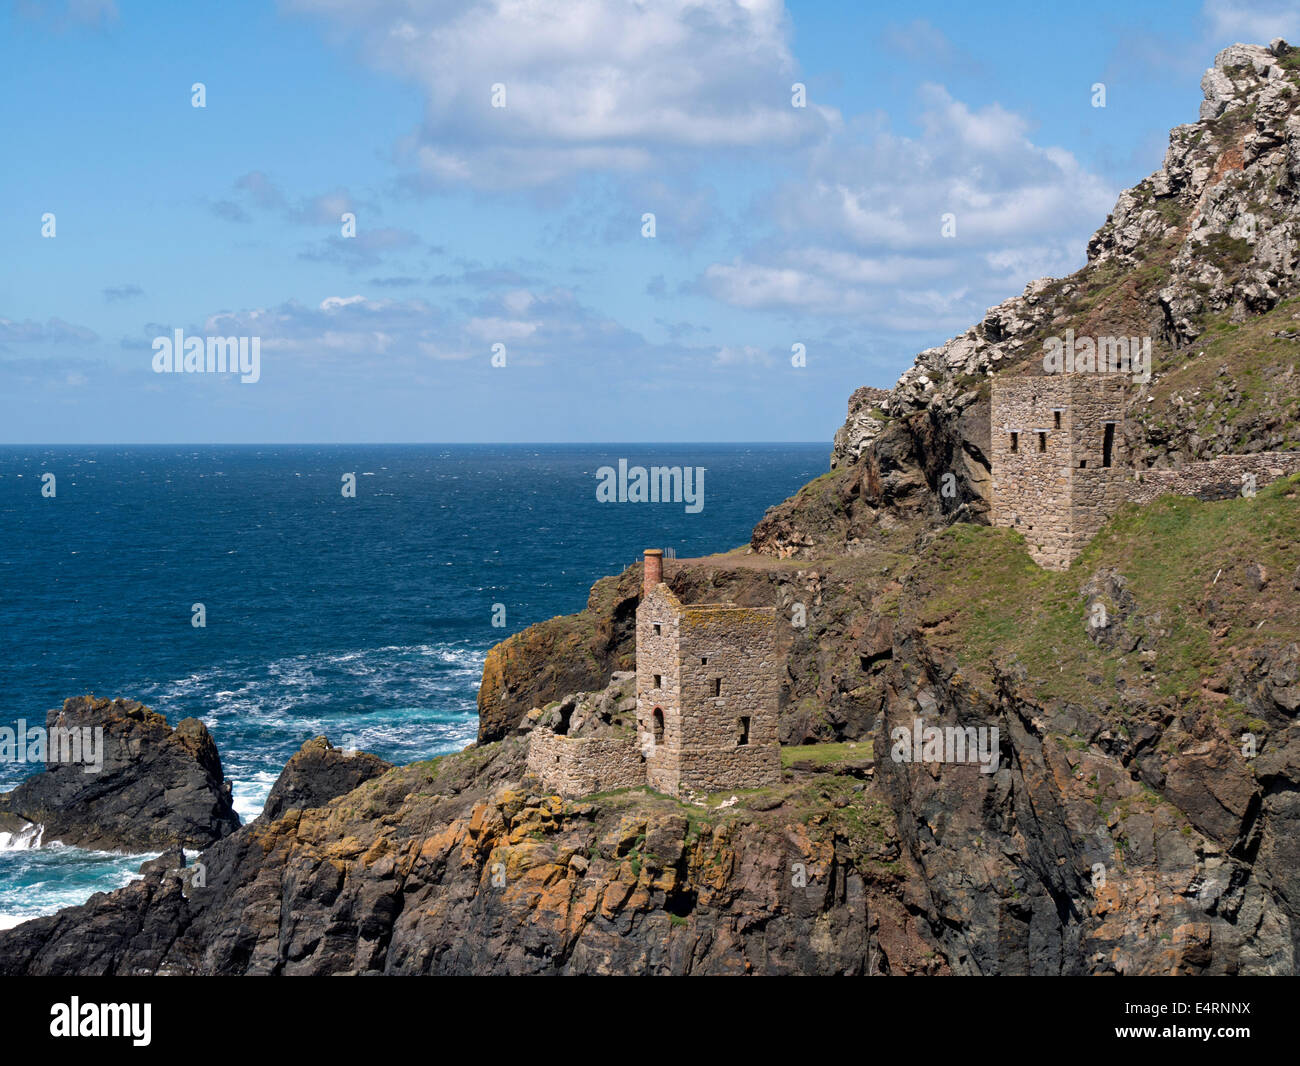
[[366, 619]]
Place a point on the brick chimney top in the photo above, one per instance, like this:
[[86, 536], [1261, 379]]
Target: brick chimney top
[[654, 570]]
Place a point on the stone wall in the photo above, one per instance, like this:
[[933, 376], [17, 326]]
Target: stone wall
[[1096, 488], [1214, 479], [658, 685], [1051, 481], [729, 693], [711, 671], [579, 766], [1031, 473]]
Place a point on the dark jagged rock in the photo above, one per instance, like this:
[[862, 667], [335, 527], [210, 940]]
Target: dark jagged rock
[[158, 787], [447, 868], [168, 863], [317, 773]]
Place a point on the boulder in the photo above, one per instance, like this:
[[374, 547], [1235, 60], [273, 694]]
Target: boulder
[[157, 787], [317, 773]]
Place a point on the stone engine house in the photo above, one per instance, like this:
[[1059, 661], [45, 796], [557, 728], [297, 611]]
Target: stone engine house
[[1060, 469], [707, 687], [1056, 453], [706, 691]]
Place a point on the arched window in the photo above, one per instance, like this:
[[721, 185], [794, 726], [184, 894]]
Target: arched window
[[658, 724]]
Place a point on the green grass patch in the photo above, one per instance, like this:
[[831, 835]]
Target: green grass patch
[[821, 755], [977, 594]]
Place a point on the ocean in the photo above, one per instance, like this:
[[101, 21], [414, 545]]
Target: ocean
[[366, 618]]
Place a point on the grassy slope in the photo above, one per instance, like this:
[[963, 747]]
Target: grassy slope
[[980, 597]]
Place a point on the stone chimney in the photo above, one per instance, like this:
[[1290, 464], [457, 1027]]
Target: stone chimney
[[654, 570]]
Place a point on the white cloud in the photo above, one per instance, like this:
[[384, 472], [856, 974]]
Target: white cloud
[[589, 84], [257, 189], [863, 235], [885, 189], [388, 337], [340, 329], [332, 302], [51, 331], [1253, 21], [438, 351], [518, 301], [501, 329], [858, 289], [815, 281]]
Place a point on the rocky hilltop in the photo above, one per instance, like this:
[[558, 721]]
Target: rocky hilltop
[[1140, 815], [1201, 257]]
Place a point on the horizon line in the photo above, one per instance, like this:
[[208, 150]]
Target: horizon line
[[393, 444]]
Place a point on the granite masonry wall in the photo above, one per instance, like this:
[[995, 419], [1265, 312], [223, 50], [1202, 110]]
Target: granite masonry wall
[[579, 766], [707, 690], [1214, 479], [658, 685], [1098, 460], [1030, 463], [1049, 451], [707, 680], [729, 693]]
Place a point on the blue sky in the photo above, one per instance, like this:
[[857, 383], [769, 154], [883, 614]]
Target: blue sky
[[522, 225]]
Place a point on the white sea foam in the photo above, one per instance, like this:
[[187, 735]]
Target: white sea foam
[[43, 880], [403, 702], [29, 836], [249, 794]]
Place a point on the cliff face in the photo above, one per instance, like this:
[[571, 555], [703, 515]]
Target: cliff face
[[1146, 698], [1134, 809], [1150, 748], [1140, 818], [447, 867], [1124, 826], [567, 654]]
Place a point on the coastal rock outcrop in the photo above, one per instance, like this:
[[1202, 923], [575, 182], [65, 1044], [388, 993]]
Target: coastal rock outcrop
[[317, 773], [451, 867], [551, 658], [1120, 823], [157, 787]]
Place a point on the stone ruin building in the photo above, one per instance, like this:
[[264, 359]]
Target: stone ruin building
[[1060, 469], [706, 691], [705, 702], [1057, 460]]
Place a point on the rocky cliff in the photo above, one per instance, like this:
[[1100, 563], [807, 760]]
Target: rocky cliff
[[1201, 257], [1127, 826], [1135, 810], [450, 867], [1139, 821]]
